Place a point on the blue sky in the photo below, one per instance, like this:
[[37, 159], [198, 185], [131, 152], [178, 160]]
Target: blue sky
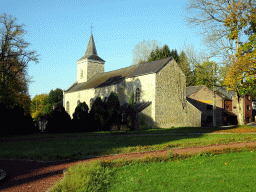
[[59, 30]]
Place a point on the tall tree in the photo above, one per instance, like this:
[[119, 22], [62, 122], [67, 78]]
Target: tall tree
[[143, 49], [241, 76], [204, 74], [224, 25], [40, 107], [113, 109], [159, 53], [210, 16], [185, 67], [55, 96], [175, 55], [14, 59]]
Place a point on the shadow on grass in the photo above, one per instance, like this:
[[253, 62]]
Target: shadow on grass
[[20, 172]]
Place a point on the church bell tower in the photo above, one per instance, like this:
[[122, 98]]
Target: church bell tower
[[90, 64]]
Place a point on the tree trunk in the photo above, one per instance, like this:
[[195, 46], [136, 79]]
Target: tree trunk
[[240, 117]]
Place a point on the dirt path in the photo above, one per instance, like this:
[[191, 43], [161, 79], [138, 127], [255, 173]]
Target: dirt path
[[33, 176]]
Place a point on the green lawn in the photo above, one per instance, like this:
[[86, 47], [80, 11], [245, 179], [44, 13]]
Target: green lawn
[[98, 176], [234, 171], [83, 147], [227, 172], [235, 129]]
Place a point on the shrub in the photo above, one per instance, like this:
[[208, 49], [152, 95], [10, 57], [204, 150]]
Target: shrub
[[15, 122], [98, 115], [142, 121], [131, 117], [113, 111], [59, 121], [81, 117]]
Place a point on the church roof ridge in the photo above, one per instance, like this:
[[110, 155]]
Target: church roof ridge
[[116, 76]]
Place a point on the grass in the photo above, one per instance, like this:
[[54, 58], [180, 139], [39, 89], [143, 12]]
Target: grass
[[215, 170], [106, 176], [235, 129], [78, 148]]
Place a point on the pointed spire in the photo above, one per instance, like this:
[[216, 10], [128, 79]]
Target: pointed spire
[[91, 52], [91, 48]]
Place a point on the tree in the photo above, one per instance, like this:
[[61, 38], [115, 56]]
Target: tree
[[241, 76], [131, 117], [143, 49], [159, 53], [229, 27], [40, 107], [204, 74], [14, 59], [113, 109], [55, 96], [59, 121], [175, 55], [98, 114], [211, 16], [81, 117], [185, 67]]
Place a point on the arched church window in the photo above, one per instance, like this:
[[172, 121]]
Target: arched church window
[[91, 102], [78, 102], [137, 95], [67, 107]]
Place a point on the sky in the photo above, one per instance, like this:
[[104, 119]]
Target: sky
[[59, 31]]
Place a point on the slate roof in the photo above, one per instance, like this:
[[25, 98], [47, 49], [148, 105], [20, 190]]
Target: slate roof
[[91, 52], [193, 89], [116, 76], [221, 91], [228, 94]]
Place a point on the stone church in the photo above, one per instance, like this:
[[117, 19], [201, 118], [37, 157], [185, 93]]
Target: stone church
[[159, 89]]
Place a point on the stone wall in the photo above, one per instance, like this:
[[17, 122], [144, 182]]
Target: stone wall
[[170, 96], [172, 109], [90, 68], [72, 98], [192, 116], [204, 98], [146, 84]]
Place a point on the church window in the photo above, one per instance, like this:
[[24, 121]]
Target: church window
[[67, 107], [78, 102], [81, 73], [91, 102], [137, 96], [105, 99]]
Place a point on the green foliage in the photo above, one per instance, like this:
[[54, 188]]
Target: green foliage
[[55, 96], [40, 107], [204, 74], [81, 112], [175, 55], [15, 121], [131, 99], [159, 53], [98, 114], [131, 117], [113, 110], [142, 122], [14, 58], [59, 121], [185, 67], [81, 118]]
